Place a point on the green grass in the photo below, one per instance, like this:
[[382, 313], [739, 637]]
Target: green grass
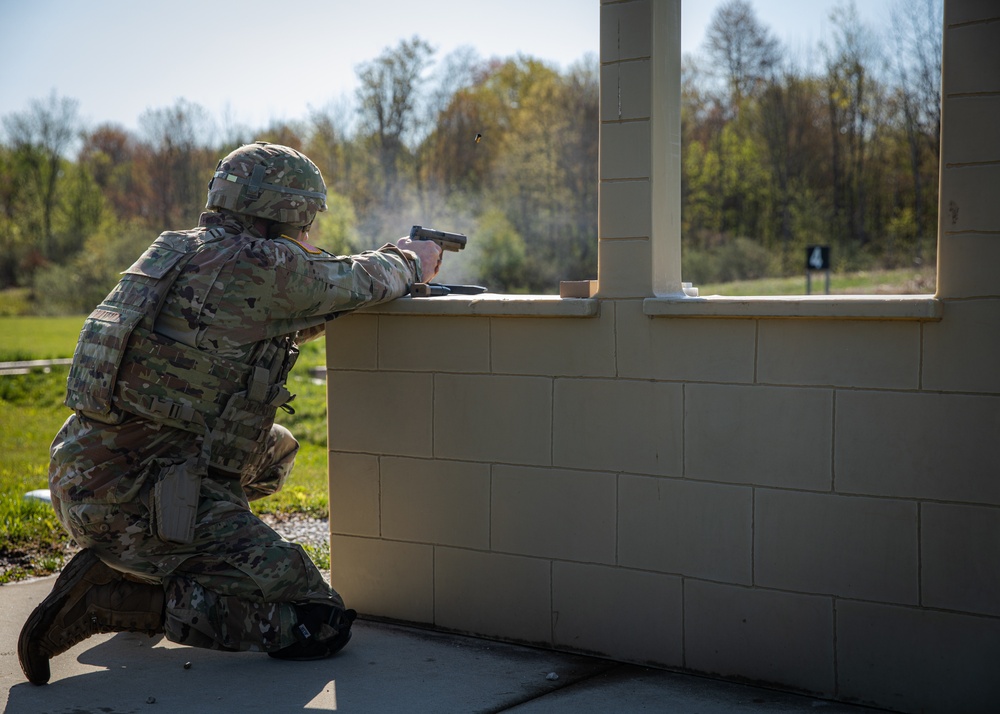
[[27, 338], [868, 282], [306, 489], [31, 413]]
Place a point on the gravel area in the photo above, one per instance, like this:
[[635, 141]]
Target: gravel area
[[299, 528]]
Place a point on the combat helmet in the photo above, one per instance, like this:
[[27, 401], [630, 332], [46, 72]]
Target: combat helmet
[[268, 181]]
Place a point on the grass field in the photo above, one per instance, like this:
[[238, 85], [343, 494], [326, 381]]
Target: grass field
[[910, 281], [38, 337]]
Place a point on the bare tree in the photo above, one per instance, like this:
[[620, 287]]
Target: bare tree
[[742, 48], [329, 134], [916, 33], [108, 154], [387, 99], [786, 119], [176, 162], [40, 138], [853, 98], [744, 54]]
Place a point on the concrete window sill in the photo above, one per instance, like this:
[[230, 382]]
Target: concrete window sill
[[490, 305], [833, 307]]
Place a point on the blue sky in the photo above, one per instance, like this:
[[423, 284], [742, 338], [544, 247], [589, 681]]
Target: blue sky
[[254, 62]]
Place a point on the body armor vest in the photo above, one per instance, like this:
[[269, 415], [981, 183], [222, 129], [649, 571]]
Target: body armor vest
[[121, 366]]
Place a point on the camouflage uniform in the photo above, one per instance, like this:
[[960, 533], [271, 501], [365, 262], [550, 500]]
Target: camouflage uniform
[[164, 423]]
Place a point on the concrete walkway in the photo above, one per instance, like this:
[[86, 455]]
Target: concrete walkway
[[385, 668]]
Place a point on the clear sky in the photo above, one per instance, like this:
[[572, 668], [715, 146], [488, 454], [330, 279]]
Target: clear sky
[[256, 62]]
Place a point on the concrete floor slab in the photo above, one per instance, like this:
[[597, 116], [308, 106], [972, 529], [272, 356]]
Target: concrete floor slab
[[385, 668]]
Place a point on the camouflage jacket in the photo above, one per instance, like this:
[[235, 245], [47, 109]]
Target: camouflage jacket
[[196, 341]]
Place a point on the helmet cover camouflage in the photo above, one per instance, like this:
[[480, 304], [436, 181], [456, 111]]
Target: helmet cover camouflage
[[268, 181]]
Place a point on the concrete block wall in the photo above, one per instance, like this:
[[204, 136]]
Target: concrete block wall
[[809, 503]]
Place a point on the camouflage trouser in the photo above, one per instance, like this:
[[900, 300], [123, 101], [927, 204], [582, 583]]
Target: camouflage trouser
[[232, 587]]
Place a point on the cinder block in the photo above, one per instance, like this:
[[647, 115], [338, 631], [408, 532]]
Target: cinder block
[[625, 150], [380, 412], [625, 614], [354, 489], [969, 133], [968, 198], [908, 445], [384, 578], [618, 425], [626, 30], [907, 659], [440, 502], [960, 550], [836, 545], [766, 636], [966, 266], [439, 344], [688, 350], [972, 54], [502, 596], [352, 342], [768, 436], [626, 209], [702, 530], [969, 11], [626, 90], [625, 268], [552, 513], [483, 418], [962, 351], [839, 353], [559, 347]]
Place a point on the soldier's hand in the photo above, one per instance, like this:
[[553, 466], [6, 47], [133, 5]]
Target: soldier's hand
[[427, 252]]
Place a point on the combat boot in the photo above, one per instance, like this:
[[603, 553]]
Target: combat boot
[[88, 598], [322, 630]]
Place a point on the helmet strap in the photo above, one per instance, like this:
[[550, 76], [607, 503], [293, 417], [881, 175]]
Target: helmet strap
[[256, 179]]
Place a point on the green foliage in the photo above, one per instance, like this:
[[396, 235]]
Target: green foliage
[[15, 302], [335, 229], [82, 283], [728, 260], [320, 555], [502, 254]]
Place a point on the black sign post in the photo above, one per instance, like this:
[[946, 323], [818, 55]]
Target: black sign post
[[817, 258]]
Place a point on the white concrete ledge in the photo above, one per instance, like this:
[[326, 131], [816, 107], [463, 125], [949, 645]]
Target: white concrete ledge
[[833, 307], [491, 305]]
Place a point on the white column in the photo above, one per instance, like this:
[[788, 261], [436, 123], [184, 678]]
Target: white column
[[640, 149]]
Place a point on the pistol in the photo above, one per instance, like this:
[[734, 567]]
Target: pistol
[[448, 241]]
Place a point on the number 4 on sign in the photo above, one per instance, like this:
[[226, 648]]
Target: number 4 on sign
[[816, 258]]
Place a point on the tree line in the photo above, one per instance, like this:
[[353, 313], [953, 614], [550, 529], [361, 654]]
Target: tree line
[[779, 152]]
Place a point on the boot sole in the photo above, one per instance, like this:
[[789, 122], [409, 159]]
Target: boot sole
[[43, 615]]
